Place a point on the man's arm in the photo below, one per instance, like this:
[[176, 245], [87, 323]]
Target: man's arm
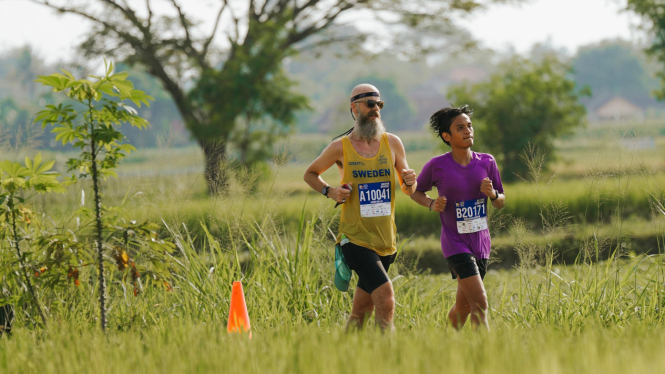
[[500, 202], [406, 176], [498, 199], [328, 158], [438, 204]]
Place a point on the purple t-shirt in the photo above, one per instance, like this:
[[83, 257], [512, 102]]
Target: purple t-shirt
[[460, 183]]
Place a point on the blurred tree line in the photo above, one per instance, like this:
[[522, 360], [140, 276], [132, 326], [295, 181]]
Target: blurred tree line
[[228, 92], [652, 13], [20, 98], [412, 90]]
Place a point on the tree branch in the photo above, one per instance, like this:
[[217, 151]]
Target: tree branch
[[265, 5], [214, 30], [147, 5], [252, 9], [236, 22], [310, 3], [147, 56], [326, 42], [188, 40], [134, 41], [313, 29], [131, 16]]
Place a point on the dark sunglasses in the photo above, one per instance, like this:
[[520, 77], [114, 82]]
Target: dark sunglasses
[[370, 103]]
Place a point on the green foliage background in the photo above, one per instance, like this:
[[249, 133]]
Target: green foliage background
[[525, 103]]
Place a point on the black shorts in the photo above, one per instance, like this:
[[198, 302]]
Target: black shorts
[[371, 268], [466, 265]]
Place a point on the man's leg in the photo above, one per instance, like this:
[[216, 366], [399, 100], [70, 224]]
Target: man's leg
[[460, 310], [384, 301], [362, 309], [474, 291]]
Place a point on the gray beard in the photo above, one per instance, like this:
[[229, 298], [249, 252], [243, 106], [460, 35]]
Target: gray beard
[[369, 130]]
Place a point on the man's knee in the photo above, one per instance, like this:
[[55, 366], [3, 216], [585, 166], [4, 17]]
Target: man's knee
[[366, 307], [480, 304], [384, 296], [462, 309]]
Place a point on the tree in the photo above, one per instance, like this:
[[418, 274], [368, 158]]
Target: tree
[[95, 131], [653, 12], [612, 68], [523, 103], [232, 81]]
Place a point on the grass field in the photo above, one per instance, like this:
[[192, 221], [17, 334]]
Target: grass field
[[187, 348], [597, 317], [577, 282]]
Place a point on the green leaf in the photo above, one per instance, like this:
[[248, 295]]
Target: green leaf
[[107, 88], [138, 97], [124, 87], [121, 76], [109, 173]]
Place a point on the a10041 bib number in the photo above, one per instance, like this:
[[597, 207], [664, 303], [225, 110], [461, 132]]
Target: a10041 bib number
[[374, 199]]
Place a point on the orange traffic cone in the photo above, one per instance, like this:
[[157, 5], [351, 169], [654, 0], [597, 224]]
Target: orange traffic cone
[[238, 317]]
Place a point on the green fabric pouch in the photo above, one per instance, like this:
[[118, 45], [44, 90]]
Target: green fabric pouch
[[342, 271]]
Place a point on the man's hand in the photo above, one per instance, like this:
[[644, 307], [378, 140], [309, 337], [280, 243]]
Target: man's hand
[[439, 204], [487, 188], [339, 194], [409, 176]]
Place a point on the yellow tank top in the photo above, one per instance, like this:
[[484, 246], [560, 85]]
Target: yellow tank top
[[368, 216]]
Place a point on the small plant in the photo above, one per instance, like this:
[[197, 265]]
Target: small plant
[[17, 182], [94, 130]]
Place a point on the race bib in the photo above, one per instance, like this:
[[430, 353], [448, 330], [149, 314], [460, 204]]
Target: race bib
[[374, 199], [471, 216]]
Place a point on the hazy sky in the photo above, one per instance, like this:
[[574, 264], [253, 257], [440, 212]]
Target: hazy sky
[[566, 23]]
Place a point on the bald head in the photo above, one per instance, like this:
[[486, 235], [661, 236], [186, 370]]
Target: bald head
[[363, 88]]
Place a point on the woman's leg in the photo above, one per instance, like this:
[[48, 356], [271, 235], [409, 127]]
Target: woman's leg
[[474, 290]]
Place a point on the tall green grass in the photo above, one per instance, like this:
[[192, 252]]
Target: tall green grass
[[288, 279], [188, 348], [591, 317]]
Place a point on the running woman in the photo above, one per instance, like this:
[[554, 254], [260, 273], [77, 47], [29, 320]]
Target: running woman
[[464, 180], [367, 160]]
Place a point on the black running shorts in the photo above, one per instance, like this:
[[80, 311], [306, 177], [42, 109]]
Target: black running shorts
[[371, 268], [466, 265]]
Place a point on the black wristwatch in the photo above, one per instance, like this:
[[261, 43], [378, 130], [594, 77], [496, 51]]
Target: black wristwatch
[[324, 191], [495, 193]]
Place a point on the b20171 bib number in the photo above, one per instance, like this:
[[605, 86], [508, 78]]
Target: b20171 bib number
[[374, 199], [471, 216]]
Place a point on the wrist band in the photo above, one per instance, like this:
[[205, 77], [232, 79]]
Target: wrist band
[[497, 195], [407, 185], [430, 204]]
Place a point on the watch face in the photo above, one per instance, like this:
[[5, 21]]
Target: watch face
[[324, 190]]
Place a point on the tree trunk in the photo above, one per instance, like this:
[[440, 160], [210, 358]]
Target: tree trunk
[[98, 223], [216, 171]]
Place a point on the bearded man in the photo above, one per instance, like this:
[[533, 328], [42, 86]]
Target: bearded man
[[368, 160]]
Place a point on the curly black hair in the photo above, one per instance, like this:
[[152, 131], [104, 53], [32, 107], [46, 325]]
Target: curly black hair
[[440, 121]]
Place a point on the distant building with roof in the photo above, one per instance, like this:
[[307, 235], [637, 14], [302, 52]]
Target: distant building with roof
[[619, 108]]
